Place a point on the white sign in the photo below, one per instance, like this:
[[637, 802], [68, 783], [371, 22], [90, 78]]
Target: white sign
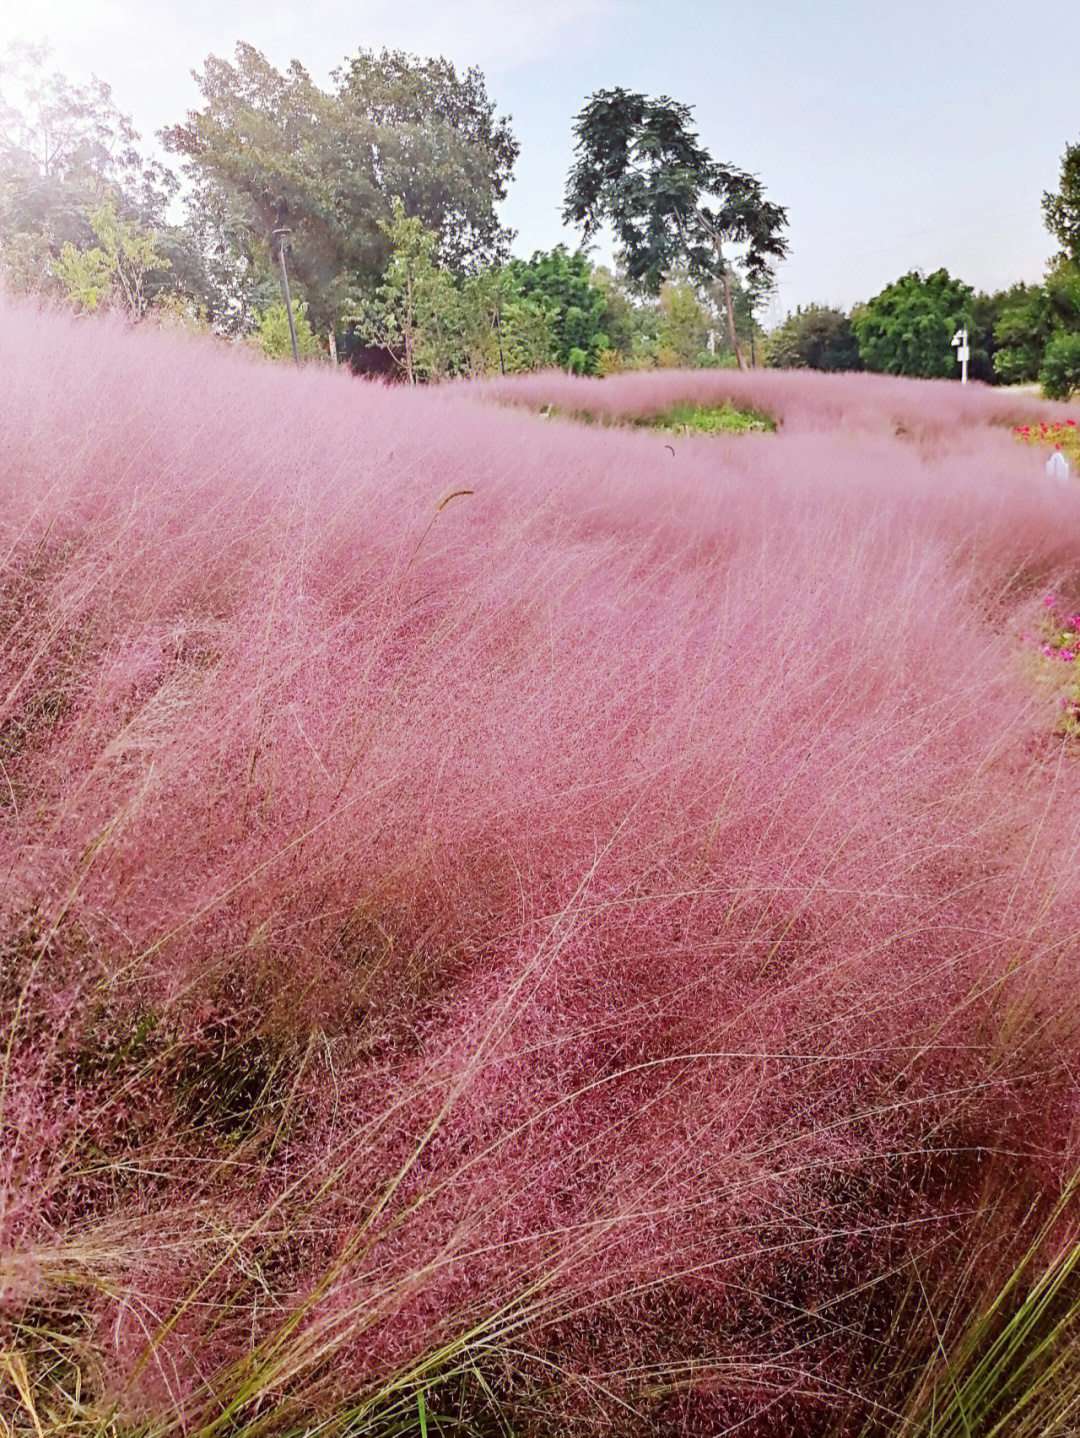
[[1057, 467], [963, 353]]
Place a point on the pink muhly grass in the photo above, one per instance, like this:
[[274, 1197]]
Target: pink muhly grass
[[513, 923]]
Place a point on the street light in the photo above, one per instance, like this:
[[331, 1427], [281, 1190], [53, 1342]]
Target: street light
[[963, 353], [279, 235]]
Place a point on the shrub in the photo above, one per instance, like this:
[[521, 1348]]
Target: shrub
[[1059, 373], [815, 338], [272, 332]]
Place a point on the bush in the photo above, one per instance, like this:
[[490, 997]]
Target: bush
[[908, 328], [814, 338], [1059, 374], [272, 332]]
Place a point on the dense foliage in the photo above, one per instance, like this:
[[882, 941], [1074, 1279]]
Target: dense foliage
[[1061, 207], [381, 192], [818, 337], [82, 212], [271, 152], [908, 328]]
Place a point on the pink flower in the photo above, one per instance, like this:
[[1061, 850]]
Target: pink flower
[[1049, 651], [1067, 655], [1050, 600]]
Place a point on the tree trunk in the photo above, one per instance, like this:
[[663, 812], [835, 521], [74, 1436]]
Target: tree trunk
[[409, 374], [333, 344], [729, 310]]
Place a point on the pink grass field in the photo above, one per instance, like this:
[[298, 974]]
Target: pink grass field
[[598, 950]]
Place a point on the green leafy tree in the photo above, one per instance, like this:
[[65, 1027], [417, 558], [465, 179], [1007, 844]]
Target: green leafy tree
[[908, 328], [1061, 207], [117, 268], [817, 337], [683, 332], [577, 306], [271, 151], [985, 311], [1030, 316], [1059, 373], [482, 303], [65, 150], [419, 130], [639, 165], [272, 335], [529, 333], [619, 319], [1023, 326], [415, 310]]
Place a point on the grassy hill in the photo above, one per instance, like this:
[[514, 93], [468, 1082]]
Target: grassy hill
[[518, 926]]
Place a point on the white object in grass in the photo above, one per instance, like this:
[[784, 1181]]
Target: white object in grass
[[963, 351], [1057, 467]]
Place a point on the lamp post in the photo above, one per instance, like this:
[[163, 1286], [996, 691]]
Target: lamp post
[[963, 353], [279, 235]]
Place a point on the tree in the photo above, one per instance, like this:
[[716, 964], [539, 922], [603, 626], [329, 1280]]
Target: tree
[[271, 150], [430, 136], [577, 306], [118, 266], [815, 338], [908, 328], [683, 330], [414, 313], [65, 151], [1059, 373], [481, 307], [1061, 209], [640, 166], [619, 318], [1030, 316], [273, 337], [529, 338]]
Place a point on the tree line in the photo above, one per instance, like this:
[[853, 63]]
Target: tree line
[[1021, 335], [378, 197]]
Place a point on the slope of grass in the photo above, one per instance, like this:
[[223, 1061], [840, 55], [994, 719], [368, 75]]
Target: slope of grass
[[502, 931]]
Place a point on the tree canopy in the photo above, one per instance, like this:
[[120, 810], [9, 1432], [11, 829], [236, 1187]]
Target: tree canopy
[[65, 151], [1061, 207], [639, 164], [578, 306], [908, 328], [270, 151], [817, 337]]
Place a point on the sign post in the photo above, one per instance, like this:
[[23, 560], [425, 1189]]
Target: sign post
[[963, 353]]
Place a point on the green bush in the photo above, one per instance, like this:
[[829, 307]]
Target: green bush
[[1059, 374], [272, 332], [814, 338]]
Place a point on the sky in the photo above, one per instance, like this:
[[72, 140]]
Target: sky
[[909, 135]]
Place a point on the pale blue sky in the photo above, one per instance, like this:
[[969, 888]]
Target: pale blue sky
[[918, 133]]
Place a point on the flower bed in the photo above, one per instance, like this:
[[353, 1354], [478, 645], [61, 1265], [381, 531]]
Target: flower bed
[[1063, 436]]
